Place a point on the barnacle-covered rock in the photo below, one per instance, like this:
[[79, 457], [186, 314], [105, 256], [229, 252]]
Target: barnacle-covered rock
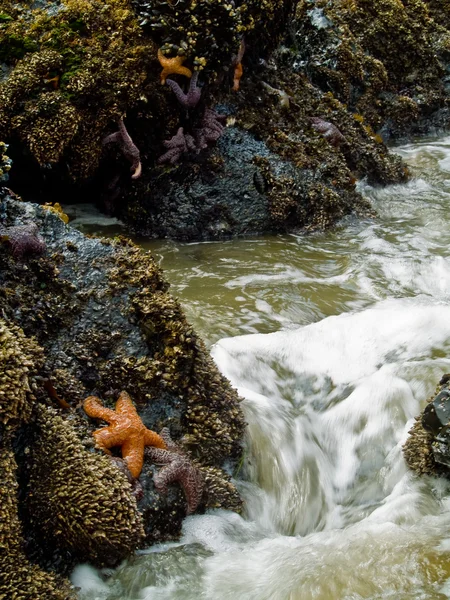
[[20, 579], [427, 449], [72, 71], [79, 500], [20, 357], [207, 32], [385, 60], [103, 315]]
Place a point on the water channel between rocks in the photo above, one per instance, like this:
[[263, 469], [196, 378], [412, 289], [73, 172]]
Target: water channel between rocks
[[334, 340]]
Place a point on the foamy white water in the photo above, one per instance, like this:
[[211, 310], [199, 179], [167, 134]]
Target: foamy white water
[[335, 341]]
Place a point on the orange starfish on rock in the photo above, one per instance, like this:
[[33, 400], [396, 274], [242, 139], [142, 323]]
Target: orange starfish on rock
[[172, 65], [125, 429]]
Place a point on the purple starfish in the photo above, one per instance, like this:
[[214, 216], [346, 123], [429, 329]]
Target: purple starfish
[[191, 99], [177, 467], [177, 145], [210, 129], [329, 131], [23, 239], [127, 146]]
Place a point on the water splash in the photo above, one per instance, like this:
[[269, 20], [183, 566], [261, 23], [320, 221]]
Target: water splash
[[359, 328]]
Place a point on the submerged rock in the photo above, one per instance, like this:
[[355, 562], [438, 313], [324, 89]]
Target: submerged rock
[[94, 317]]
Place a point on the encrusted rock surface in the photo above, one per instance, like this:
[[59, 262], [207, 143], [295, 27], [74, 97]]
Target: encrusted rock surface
[[95, 318], [427, 449], [374, 71]]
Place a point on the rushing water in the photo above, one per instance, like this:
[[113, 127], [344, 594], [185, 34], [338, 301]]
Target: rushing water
[[334, 340]]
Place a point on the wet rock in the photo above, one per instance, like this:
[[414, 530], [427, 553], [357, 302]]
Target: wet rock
[[386, 60], [103, 321], [436, 414], [427, 449]]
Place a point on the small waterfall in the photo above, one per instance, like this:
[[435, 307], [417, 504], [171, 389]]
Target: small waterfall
[[334, 340]]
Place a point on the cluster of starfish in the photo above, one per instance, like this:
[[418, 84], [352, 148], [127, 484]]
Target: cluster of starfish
[[23, 239], [209, 131], [211, 126], [126, 429]]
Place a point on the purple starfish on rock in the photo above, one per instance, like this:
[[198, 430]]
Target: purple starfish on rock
[[127, 146], [23, 239], [191, 99], [177, 467], [329, 131], [211, 128], [177, 145]]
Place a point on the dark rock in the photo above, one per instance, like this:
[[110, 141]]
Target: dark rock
[[436, 414], [427, 449], [105, 322]]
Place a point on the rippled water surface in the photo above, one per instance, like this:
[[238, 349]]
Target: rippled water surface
[[334, 340]]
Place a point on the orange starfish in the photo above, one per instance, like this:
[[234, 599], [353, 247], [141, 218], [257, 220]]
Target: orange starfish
[[239, 69], [237, 76], [125, 429], [172, 65]]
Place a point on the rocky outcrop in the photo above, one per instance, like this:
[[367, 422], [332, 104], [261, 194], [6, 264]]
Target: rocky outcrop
[[387, 61], [427, 449], [375, 71], [94, 317]]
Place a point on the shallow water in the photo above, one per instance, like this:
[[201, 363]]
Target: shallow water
[[334, 340]]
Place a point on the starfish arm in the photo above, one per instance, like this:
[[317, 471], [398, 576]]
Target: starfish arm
[[193, 82], [124, 405], [158, 456], [165, 434], [112, 137], [94, 408], [193, 489], [190, 143], [130, 150], [108, 437], [181, 96], [167, 474], [184, 71], [190, 479], [194, 93], [137, 170], [172, 65], [133, 455], [237, 76], [151, 438], [171, 156]]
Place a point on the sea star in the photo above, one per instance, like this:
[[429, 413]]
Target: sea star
[[23, 239], [177, 467], [125, 429], [238, 70], [177, 145], [172, 65], [329, 131], [211, 128], [127, 146], [191, 99]]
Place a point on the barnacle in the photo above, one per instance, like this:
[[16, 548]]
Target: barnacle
[[81, 500], [98, 77], [205, 32]]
